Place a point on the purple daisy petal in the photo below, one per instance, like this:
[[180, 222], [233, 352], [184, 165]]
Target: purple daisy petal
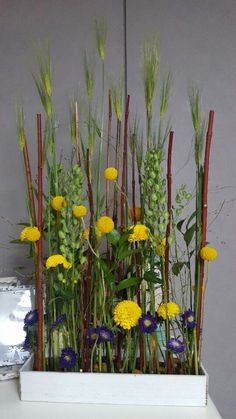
[[147, 323], [104, 334], [31, 318], [68, 358], [175, 345], [27, 343], [58, 321], [93, 335], [188, 319]]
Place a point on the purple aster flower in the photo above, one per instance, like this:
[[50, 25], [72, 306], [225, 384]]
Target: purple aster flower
[[31, 318], [175, 345], [188, 318], [93, 335], [67, 358], [58, 321], [104, 334], [27, 343], [147, 323]]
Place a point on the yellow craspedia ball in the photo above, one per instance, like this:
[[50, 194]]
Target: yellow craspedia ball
[[30, 234], [105, 225], [208, 253], [79, 211], [86, 233], [55, 260], [161, 247], [169, 310], [126, 314], [111, 173], [140, 233], [135, 212], [58, 202]]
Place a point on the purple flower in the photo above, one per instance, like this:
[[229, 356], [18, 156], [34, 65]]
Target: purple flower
[[104, 334], [58, 321], [27, 343], [93, 335], [147, 323], [100, 334], [175, 345], [31, 318], [67, 358], [188, 318]]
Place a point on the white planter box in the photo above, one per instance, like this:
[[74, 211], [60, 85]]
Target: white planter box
[[107, 388]]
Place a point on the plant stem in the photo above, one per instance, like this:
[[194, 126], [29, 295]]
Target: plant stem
[[40, 248], [100, 146], [204, 219], [167, 249], [77, 137]]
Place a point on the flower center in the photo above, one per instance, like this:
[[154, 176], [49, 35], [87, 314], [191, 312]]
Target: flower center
[[190, 319], [147, 322], [176, 344], [67, 358]]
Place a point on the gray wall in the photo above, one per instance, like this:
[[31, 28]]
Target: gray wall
[[198, 43]]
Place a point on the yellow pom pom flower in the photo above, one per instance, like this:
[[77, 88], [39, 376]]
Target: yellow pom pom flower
[[169, 310], [111, 173], [30, 234], [79, 211], [86, 233], [55, 260], [126, 314], [58, 202], [161, 247], [208, 253], [140, 233], [137, 212], [105, 225]]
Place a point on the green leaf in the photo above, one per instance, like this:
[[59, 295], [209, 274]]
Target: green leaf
[[179, 225], [153, 277], [18, 241], [128, 282], [124, 238], [23, 224], [122, 254], [113, 237], [190, 219], [188, 235], [177, 267], [65, 294]]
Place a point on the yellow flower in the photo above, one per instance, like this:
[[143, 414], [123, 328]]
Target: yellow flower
[[30, 234], [56, 260], [137, 212], [86, 233], [168, 310], [161, 247], [58, 202], [208, 253], [140, 232], [105, 225], [111, 173], [126, 314], [79, 211]]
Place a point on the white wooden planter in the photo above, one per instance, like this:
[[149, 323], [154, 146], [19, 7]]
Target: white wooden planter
[[107, 388]]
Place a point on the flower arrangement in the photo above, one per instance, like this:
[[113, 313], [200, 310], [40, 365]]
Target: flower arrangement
[[121, 272]]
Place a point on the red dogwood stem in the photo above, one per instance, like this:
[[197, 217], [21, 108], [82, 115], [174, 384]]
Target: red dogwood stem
[[204, 220], [167, 249], [39, 285]]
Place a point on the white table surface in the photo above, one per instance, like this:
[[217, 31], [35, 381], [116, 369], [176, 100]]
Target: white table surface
[[11, 407]]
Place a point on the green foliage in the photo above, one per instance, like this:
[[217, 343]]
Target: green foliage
[[151, 58], [101, 36]]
